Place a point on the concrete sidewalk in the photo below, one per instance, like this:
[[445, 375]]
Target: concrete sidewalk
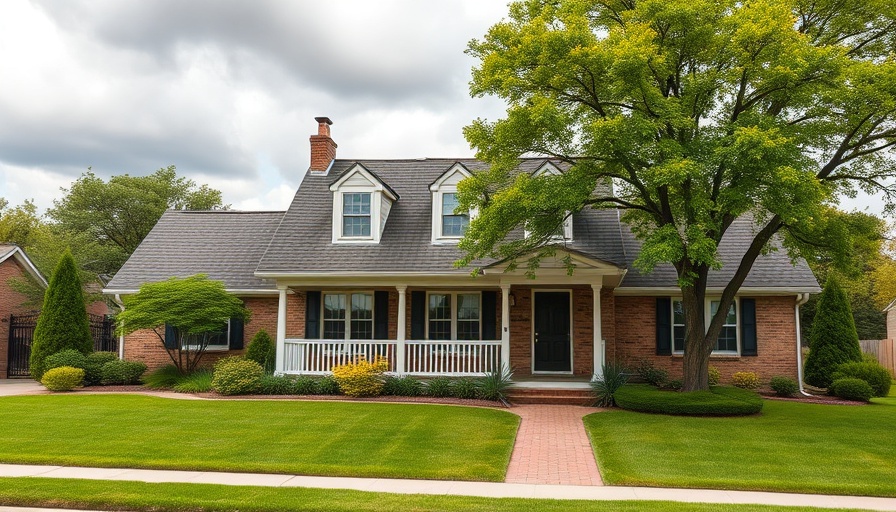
[[441, 487]]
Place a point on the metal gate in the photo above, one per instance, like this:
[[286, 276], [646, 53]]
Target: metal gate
[[21, 334]]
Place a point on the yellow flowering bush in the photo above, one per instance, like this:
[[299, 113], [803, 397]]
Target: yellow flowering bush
[[715, 376], [746, 380], [361, 378]]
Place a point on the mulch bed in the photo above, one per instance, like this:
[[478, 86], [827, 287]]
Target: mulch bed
[[812, 399]]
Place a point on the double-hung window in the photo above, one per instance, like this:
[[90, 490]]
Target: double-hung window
[[356, 214], [348, 316], [454, 316], [727, 340], [453, 224]]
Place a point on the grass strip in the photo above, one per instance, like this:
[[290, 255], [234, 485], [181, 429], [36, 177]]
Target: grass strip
[[140, 496]]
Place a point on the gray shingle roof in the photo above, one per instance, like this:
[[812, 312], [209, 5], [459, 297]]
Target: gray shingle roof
[[226, 245]]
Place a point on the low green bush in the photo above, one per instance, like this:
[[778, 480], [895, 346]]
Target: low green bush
[[745, 380], [305, 385], [784, 386], [718, 401], [873, 373], [402, 386], [276, 385], [263, 351], [495, 385], [850, 388], [440, 387], [93, 368], [327, 386], [69, 357], [121, 372], [650, 374], [200, 381], [236, 376], [715, 376], [605, 385], [672, 385], [62, 378], [165, 377], [465, 387]]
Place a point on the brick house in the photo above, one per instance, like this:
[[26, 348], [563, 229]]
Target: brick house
[[362, 263], [14, 264]]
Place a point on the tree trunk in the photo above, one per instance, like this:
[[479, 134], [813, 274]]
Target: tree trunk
[[696, 355]]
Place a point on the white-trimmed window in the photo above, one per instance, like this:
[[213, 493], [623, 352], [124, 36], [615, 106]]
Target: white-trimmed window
[[218, 341], [728, 341], [448, 223], [454, 316], [356, 215], [454, 224], [348, 316], [361, 206]]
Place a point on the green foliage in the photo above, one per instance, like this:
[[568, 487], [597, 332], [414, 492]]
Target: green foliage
[[276, 385], [93, 367], [605, 385], [495, 385], [304, 385], [873, 373], [237, 376], [650, 374], [196, 306], [784, 386], [673, 385], [715, 376], [63, 378], [63, 322], [465, 388], [163, 378], [402, 386], [745, 380], [67, 357], [327, 385], [440, 387], [122, 372], [833, 339], [718, 401], [200, 381], [263, 351], [852, 389]]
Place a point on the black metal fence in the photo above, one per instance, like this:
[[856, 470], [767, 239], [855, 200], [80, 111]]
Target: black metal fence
[[21, 335]]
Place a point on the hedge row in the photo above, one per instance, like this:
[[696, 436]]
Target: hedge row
[[718, 401]]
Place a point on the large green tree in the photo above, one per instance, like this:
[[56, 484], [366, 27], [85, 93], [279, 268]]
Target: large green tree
[[63, 322], [699, 112]]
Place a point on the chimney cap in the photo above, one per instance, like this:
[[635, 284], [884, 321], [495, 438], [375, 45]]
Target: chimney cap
[[323, 119]]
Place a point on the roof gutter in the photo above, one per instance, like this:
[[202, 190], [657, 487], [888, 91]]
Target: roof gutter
[[801, 298]]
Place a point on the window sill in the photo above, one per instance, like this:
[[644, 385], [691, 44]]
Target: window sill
[[210, 348], [680, 355]]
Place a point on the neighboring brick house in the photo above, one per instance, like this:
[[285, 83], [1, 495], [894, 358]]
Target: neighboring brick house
[[14, 264], [362, 263]]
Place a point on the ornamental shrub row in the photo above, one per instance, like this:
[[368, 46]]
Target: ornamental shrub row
[[97, 367], [873, 373], [718, 401]]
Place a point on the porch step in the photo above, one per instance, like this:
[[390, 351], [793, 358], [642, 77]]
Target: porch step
[[554, 396]]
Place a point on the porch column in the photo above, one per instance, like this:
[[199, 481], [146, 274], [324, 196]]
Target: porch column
[[505, 326], [281, 331], [402, 329], [598, 333]]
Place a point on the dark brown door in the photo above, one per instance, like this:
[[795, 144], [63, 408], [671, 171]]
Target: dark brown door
[[552, 339]]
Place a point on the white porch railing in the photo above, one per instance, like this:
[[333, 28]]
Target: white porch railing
[[422, 357]]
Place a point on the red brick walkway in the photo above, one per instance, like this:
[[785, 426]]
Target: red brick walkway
[[552, 447]]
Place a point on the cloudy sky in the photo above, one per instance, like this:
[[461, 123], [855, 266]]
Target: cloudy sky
[[227, 91]]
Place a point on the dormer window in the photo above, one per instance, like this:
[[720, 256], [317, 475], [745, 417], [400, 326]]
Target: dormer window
[[564, 230], [448, 224], [361, 206]]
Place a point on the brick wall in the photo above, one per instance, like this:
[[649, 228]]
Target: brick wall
[[11, 303], [775, 333]]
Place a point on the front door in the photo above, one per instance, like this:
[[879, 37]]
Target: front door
[[551, 326]]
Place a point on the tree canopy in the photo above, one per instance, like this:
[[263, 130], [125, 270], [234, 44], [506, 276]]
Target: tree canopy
[[698, 112]]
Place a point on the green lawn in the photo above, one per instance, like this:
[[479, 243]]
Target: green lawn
[[139, 496], [796, 447], [311, 438]]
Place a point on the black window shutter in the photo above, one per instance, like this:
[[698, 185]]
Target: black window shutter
[[663, 326], [418, 315], [236, 334], [170, 337], [312, 315], [381, 315], [748, 345], [489, 315]]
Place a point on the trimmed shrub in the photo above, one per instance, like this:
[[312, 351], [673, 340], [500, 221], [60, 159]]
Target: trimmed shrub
[[852, 389], [93, 368], [440, 387], [68, 357], [715, 376], [121, 372], [200, 381], [745, 380], [718, 401], [673, 385], [494, 385], [833, 339], [236, 376], [402, 386], [305, 385], [165, 377], [874, 374], [650, 374], [62, 323], [605, 386], [327, 386], [784, 386], [276, 385], [63, 378], [361, 378], [263, 351], [465, 387]]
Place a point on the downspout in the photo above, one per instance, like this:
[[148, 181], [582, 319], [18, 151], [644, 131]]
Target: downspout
[[801, 298], [120, 303]]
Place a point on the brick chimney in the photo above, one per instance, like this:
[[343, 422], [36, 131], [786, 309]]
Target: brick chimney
[[323, 149]]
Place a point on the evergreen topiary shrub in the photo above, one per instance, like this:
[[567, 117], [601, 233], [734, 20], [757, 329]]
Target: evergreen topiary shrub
[[63, 322], [784, 386], [121, 372], [852, 389], [833, 339], [63, 378], [237, 376], [718, 401], [874, 374], [68, 357], [263, 351], [93, 368]]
